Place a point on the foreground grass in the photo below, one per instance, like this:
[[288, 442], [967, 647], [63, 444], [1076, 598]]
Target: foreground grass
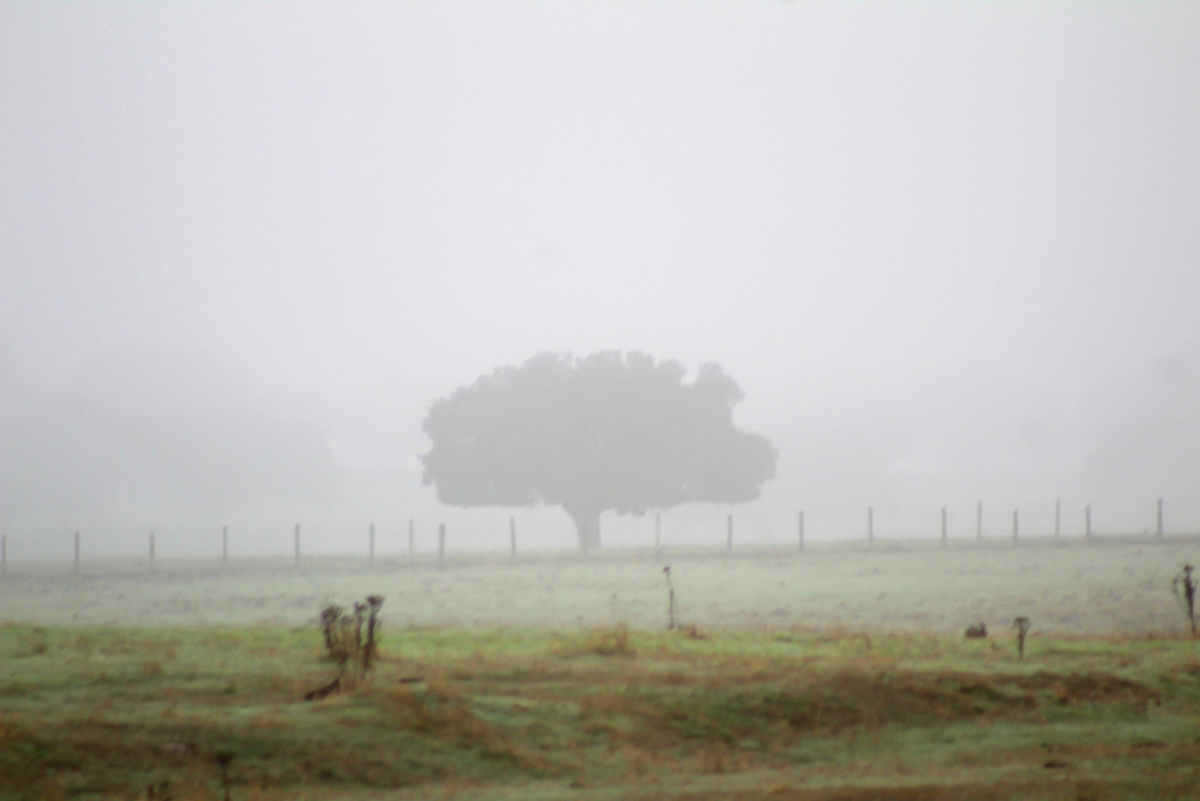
[[605, 713]]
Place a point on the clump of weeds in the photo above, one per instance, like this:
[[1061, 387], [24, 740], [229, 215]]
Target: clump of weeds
[[351, 640], [601, 642], [976, 632]]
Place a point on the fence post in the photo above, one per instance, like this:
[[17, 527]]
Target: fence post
[[441, 542], [801, 545], [945, 531], [76, 550], [297, 537], [1087, 530], [152, 550], [1014, 526], [729, 535], [410, 538], [1160, 519], [512, 535], [979, 520], [225, 545], [1057, 518], [870, 526]]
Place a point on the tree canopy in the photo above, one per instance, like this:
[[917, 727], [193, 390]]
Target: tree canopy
[[609, 431]]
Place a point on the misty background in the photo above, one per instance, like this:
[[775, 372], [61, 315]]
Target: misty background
[[950, 254]]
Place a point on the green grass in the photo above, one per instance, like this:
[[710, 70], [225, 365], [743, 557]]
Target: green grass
[[599, 713]]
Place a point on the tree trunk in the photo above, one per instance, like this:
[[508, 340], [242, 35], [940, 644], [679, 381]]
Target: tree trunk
[[587, 527]]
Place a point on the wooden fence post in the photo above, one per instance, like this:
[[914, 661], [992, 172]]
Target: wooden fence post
[[800, 547]]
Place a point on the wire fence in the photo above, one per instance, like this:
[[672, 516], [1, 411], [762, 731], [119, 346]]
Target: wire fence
[[456, 535]]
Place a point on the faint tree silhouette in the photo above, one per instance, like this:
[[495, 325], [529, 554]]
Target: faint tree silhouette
[[601, 432]]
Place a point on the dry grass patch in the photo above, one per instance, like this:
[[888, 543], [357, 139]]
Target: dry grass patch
[[602, 707], [598, 642]]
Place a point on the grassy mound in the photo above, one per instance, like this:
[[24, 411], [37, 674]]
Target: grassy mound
[[606, 713]]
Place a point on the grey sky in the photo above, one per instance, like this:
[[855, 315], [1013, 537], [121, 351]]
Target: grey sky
[[925, 238]]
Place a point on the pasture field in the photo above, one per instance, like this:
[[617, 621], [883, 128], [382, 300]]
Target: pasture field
[[608, 713], [1072, 589], [833, 674]]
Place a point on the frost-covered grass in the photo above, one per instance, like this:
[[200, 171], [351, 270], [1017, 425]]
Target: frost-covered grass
[[1071, 589]]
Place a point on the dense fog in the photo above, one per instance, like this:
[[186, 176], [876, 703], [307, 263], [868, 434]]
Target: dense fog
[[949, 254]]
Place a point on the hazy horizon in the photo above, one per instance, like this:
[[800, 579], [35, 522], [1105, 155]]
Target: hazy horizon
[[949, 253]]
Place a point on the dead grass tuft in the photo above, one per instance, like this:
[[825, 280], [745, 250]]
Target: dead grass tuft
[[438, 709], [1092, 687], [436, 686], [31, 643], [11, 734], [605, 704], [608, 642]]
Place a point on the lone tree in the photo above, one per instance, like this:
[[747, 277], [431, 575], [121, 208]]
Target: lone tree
[[606, 431]]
